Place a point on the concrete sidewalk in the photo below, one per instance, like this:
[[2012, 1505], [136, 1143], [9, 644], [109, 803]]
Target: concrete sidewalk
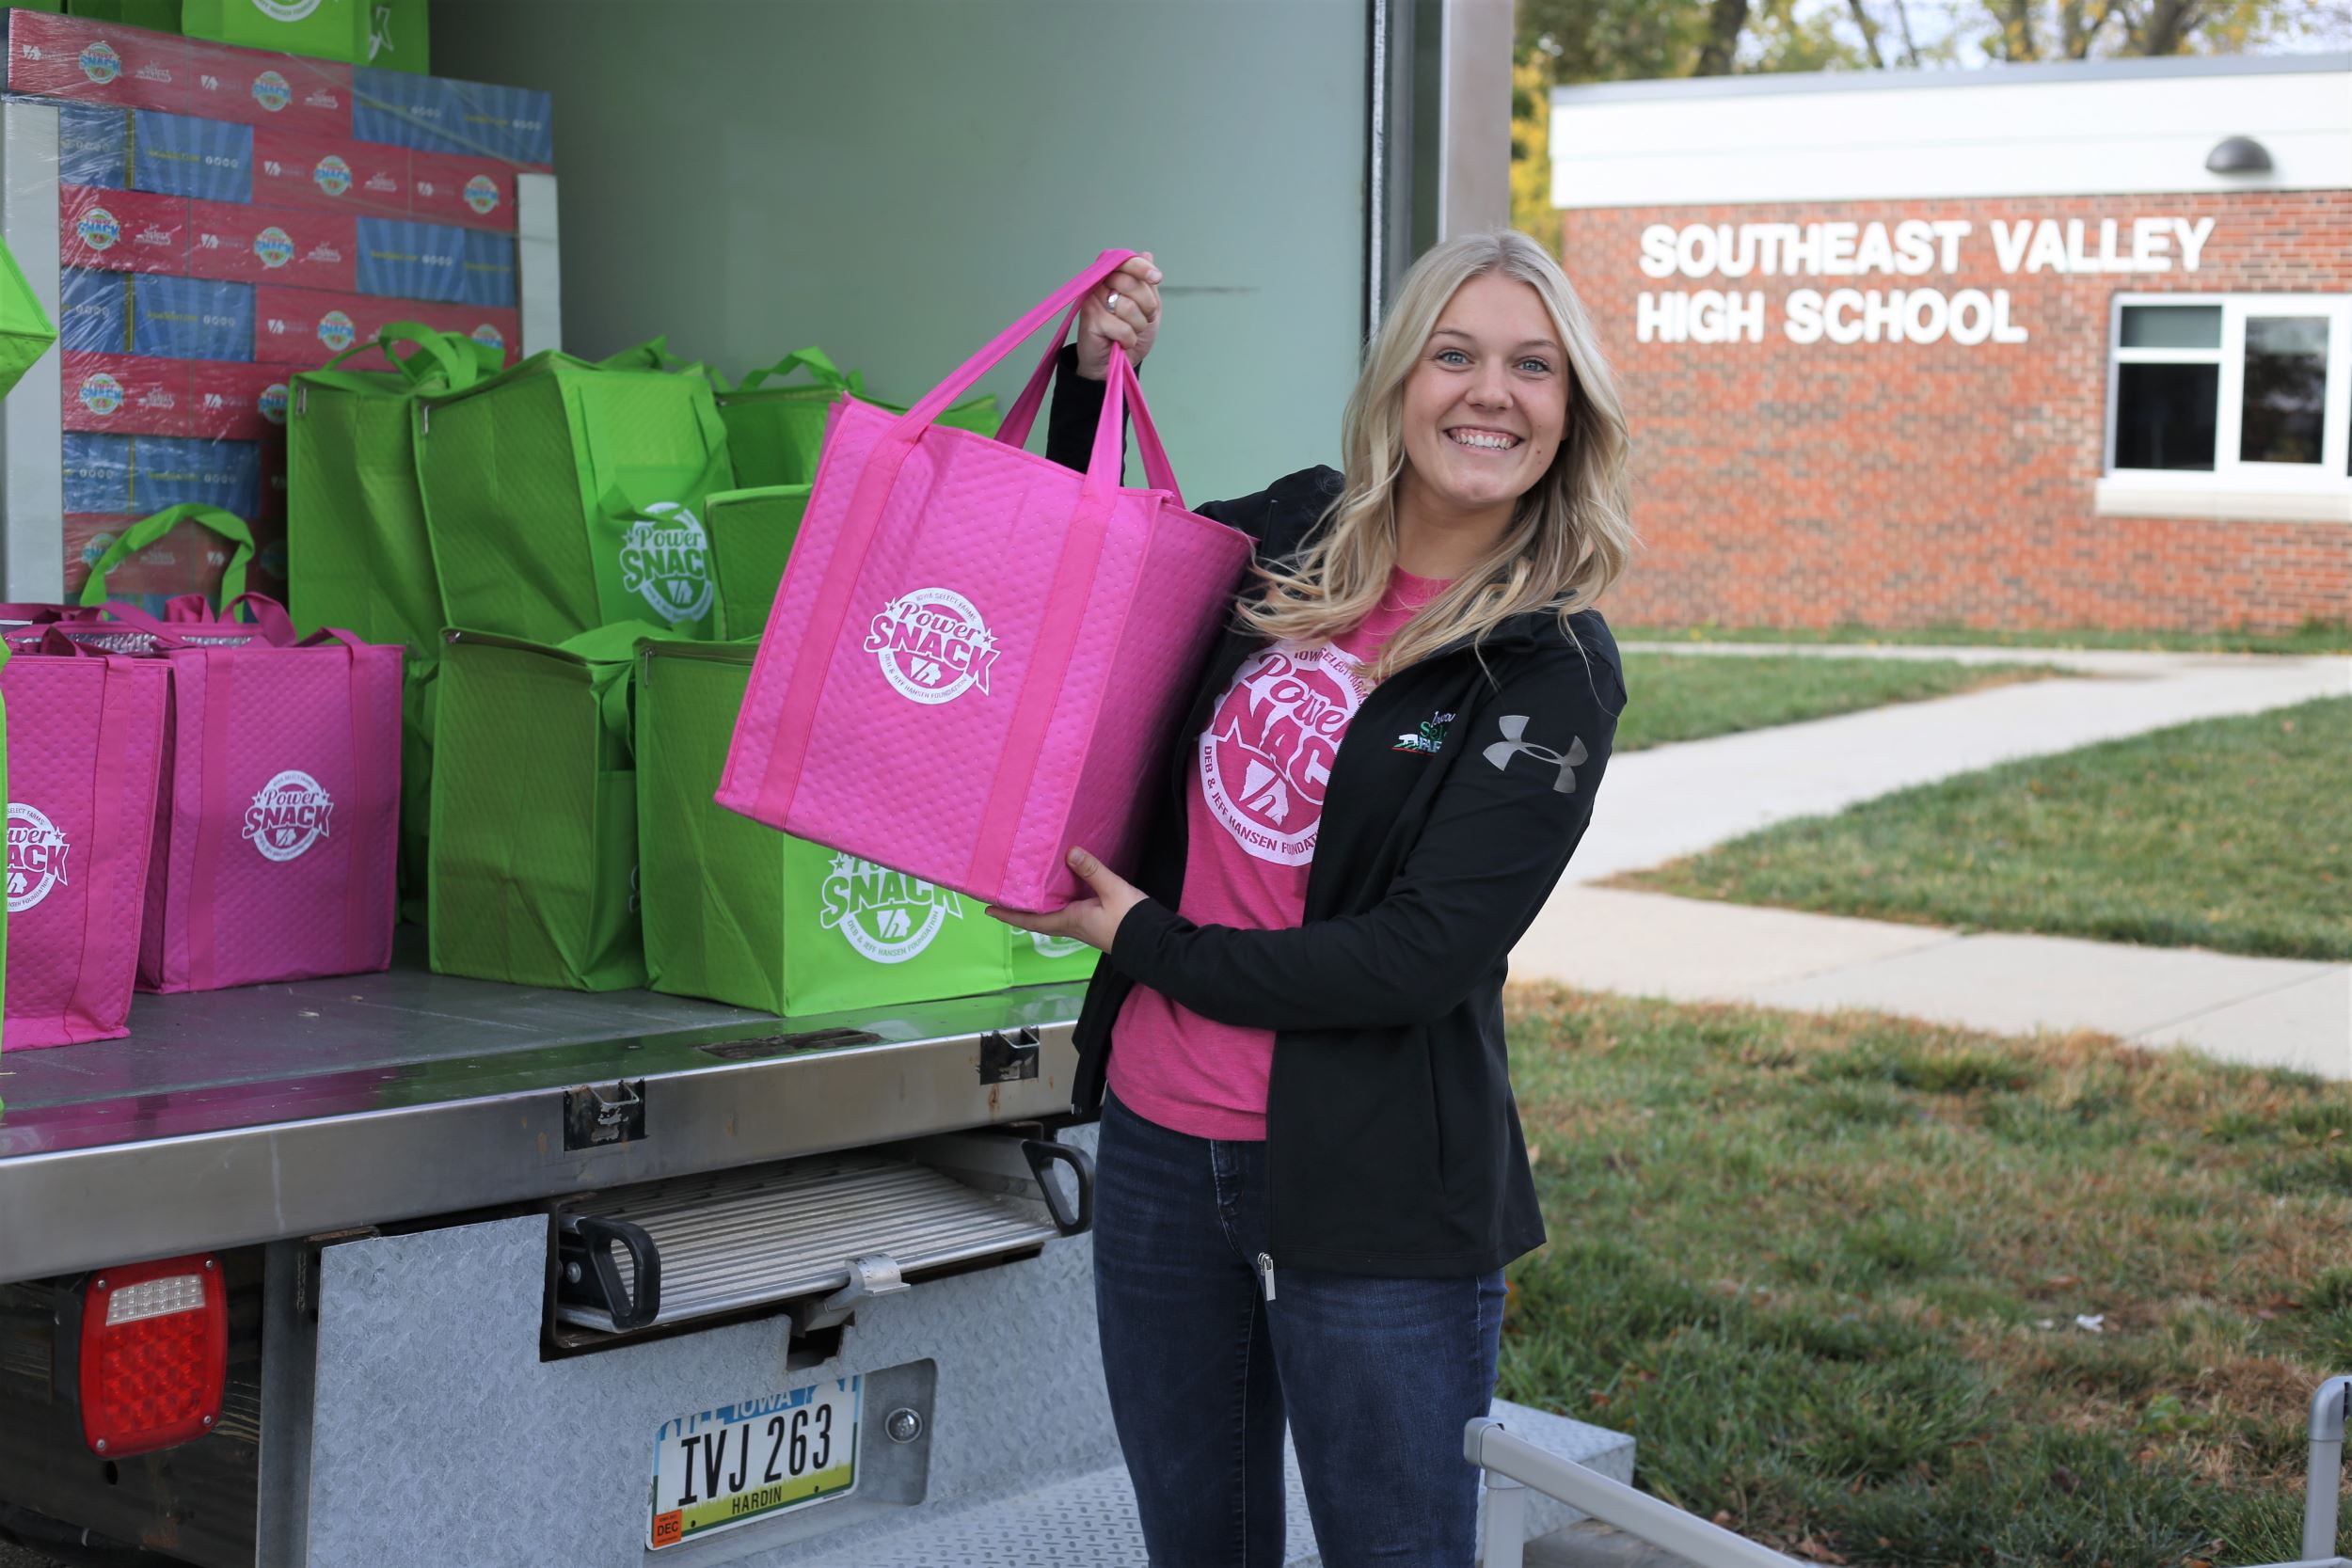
[[1677, 801], [2262, 1012], [1674, 800]]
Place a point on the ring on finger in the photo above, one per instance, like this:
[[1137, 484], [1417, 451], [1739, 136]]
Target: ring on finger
[[1113, 304]]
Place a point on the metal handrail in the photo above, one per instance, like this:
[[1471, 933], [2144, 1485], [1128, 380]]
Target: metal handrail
[[1513, 1465]]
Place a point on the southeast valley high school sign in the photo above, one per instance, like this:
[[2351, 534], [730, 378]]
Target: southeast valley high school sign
[[1912, 247]]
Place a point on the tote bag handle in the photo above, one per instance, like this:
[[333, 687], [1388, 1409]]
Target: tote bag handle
[[1082, 545], [820, 368], [148, 530]]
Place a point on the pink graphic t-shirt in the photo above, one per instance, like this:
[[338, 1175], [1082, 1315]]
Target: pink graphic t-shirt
[[1258, 773]]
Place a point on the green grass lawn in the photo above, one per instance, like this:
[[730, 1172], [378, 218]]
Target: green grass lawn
[[1835, 1275], [2229, 833], [1690, 696], [2312, 637]]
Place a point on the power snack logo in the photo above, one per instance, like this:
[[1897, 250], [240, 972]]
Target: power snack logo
[[100, 62], [337, 331], [37, 854], [1055, 947], [489, 336], [286, 10], [482, 194], [102, 394], [272, 403], [1266, 756], [289, 814], [332, 175], [932, 645], [886, 915], [271, 91], [273, 245], [665, 561], [99, 228]]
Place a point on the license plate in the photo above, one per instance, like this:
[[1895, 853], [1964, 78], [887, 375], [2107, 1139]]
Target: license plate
[[739, 1462]]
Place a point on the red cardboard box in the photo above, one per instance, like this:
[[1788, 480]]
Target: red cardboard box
[[478, 193], [253, 87], [333, 174], [126, 394], [305, 327], [188, 559], [120, 230], [238, 401], [236, 244], [273, 507], [100, 62]]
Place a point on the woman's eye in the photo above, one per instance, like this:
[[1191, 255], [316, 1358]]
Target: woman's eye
[[1542, 365], [1447, 355]]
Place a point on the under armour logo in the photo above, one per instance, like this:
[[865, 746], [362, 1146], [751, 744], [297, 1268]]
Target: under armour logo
[[1514, 725]]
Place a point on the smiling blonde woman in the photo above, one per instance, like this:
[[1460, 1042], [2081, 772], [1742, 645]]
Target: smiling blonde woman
[[1310, 1171]]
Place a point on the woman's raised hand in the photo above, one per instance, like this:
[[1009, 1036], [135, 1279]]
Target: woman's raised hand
[[1124, 310], [1094, 918]]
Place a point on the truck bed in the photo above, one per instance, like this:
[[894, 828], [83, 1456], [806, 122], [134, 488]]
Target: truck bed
[[238, 1116]]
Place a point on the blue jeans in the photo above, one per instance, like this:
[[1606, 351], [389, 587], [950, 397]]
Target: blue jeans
[[1377, 1376]]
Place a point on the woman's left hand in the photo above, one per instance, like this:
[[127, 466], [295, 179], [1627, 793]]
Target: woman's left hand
[[1093, 921]]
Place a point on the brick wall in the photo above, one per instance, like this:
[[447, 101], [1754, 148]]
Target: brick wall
[[1905, 483]]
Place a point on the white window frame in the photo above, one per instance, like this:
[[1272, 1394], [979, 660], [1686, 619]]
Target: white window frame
[[2233, 488]]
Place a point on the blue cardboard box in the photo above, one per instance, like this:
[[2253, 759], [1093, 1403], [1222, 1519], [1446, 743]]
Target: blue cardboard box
[[168, 470], [436, 113], [489, 272], [93, 145], [191, 318], [210, 160], [414, 261], [93, 312], [97, 472]]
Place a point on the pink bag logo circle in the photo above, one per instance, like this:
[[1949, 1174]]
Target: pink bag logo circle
[[271, 91], [289, 814], [886, 915], [36, 857], [932, 645], [482, 195], [333, 174], [337, 331], [1266, 755], [102, 394], [665, 561], [100, 62], [271, 404], [99, 228], [1055, 947]]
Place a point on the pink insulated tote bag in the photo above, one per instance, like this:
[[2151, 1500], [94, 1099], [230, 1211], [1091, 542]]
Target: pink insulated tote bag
[[976, 654], [277, 820], [86, 736]]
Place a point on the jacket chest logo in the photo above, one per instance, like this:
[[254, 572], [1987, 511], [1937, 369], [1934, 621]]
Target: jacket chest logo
[[1514, 745], [1428, 739]]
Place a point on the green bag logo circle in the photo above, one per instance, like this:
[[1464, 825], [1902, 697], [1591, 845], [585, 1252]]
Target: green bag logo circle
[[37, 854], [286, 10], [1055, 947], [271, 91], [885, 915], [100, 62], [665, 561]]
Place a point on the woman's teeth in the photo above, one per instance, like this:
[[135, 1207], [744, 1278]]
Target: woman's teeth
[[1482, 441]]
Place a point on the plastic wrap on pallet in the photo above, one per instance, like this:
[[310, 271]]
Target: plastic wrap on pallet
[[227, 217]]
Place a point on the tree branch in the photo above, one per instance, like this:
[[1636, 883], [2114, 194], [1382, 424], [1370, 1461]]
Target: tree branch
[[1869, 32], [1724, 24]]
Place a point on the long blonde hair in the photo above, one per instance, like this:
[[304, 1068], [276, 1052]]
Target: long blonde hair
[[1570, 536]]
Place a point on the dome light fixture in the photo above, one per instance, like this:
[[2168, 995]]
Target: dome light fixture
[[2238, 155]]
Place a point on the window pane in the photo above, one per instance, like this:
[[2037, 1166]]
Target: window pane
[[2286, 390], [2164, 416], [2173, 327]]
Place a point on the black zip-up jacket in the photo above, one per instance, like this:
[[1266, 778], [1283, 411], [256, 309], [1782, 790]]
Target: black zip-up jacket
[[1392, 1139]]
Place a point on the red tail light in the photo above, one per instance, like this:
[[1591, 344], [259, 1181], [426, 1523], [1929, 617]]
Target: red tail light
[[154, 1354]]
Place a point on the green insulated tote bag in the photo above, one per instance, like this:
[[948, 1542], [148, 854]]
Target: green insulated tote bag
[[563, 496], [25, 330], [751, 535], [534, 838], [738, 912], [777, 433], [357, 555]]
